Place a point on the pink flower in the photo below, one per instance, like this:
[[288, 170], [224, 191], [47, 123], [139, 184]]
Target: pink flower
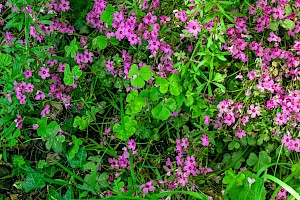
[[193, 28], [281, 118], [273, 37], [18, 121], [206, 119], [205, 140], [240, 133], [286, 140], [253, 111], [27, 73], [131, 144], [64, 5], [46, 110], [278, 12], [147, 187], [44, 73]]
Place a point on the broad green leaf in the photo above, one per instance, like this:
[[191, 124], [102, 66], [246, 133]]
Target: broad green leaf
[[5, 60], [160, 112], [274, 25], [175, 87], [137, 82], [288, 24], [145, 73], [33, 180], [126, 130], [68, 76], [107, 15], [72, 49], [170, 104], [252, 160], [163, 84], [100, 41], [134, 70], [263, 159], [79, 160], [76, 71]]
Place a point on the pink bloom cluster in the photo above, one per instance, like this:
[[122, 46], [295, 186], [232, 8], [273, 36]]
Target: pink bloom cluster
[[93, 17], [185, 167], [21, 89], [231, 113]]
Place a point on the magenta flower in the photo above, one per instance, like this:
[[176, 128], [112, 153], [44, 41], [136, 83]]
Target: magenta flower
[[193, 28], [273, 37], [253, 111], [206, 119], [281, 119], [205, 140], [240, 133], [44, 73], [131, 144], [46, 110], [27, 73], [18, 121], [278, 12], [64, 5], [147, 187]]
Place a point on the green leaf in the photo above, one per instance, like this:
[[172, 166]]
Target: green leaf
[[170, 104], [163, 84], [82, 122], [72, 49], [100, 41], [288, 24], [134, 70], [79, 160], [126, 130], [263, 159], [5, 60], [146, 73], [274, 25], [252, 160], [114, 41], [175, 87], [137, 82], [76, 71], [33, 180], [288, 10], [107, 15], [68, 76], [160, 112]]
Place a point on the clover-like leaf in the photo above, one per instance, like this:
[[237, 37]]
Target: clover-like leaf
[[171, 104], [163, 84], [126, 130], [137, 82], [75, 148], [76, 71], [288, 24], [263, 159], [161, 112], [82, 122], [68, 76], [146, 73], [175, 87], [252, 160], [100, 42], [33, 181], [107, 15], [79, 160], [72, 48], [134, 70]]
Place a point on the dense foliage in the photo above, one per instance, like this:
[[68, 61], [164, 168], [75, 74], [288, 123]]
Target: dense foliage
[[141, 99]]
